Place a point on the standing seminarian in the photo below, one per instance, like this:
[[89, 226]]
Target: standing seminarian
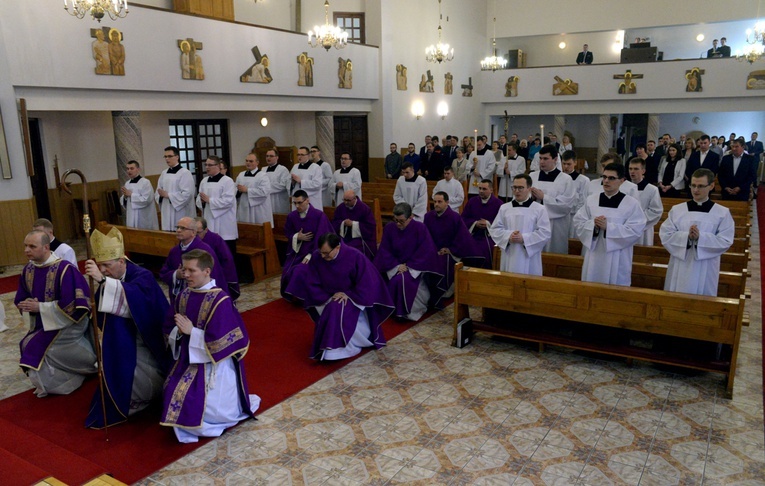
[[608, 225], [346, 178], [521, 229], [279, 177], [308, 177], [326, 171], [138, 200], [217, 200], [175, 191], [253, 193]]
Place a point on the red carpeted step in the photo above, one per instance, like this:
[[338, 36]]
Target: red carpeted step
[[17, 471], [9, 284], [36, 454]]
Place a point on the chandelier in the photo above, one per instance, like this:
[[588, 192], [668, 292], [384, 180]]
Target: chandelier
[[492, 63], [756, 36], [327, 36], [116, 9], [751, 53], [440, 52]]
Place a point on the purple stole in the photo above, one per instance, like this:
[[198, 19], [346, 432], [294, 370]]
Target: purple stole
[[59, 281], [355, 275], [475, 210], [222, 251], [225, 337], [367, 244], [449, 231], [413, 246], [315, 222], [174, 261]]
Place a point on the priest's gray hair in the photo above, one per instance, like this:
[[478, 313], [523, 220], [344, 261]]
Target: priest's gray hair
[[402, 209]]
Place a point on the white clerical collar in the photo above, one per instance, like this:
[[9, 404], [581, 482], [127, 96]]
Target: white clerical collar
[[208, 286], [702, 202], [339, 249], [612, 195], [524, 201], [51, 259], [303, 215], [485, 201], [184, 247]]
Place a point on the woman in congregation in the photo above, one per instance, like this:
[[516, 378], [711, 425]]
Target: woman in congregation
[[534, 149], [690, 147], [523, 149], [672, 172]]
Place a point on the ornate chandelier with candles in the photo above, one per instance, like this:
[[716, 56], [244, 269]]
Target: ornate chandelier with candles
[[755, 38], [327, 36], [494, 62], [439, 52], [115, 9]]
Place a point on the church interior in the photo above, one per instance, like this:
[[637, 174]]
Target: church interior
[[419, 411]]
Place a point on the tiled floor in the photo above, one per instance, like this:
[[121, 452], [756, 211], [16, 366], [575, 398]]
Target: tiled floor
[[422, 412]]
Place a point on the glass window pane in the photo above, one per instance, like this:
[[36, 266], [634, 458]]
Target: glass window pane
[[218, 142], [180, 130], [182, 143], [182, 155], [203, 142], [217, 129], [172, 130], [356, 22], [190, 142], [189, 131], [201, 129], [192, 167]]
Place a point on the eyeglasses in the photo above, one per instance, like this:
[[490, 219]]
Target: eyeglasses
[[314, 151], [609, 178], [302, 155], [698, 186], [183, 228], [298, 203], [170, 156], [400, 221], [349, 200], [210, 165], [519, 188]]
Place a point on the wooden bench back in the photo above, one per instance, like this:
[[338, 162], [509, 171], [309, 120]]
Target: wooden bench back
[[703, 318], [146, 242]]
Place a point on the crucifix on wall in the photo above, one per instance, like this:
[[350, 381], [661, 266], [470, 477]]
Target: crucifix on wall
[[191, 62], [506, 118], [628, 86]]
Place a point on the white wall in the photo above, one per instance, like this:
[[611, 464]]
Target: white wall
[[539, 17], [543, 50], [272, 13]]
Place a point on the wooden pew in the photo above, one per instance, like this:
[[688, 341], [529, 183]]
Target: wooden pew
[[737, 208], [701, 318], [383, 190], [256, 243], [650, 275]]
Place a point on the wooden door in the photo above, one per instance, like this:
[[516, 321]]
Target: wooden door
[[351, 136]]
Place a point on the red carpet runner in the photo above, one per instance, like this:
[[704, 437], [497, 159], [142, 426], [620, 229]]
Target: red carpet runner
[[46, 437]]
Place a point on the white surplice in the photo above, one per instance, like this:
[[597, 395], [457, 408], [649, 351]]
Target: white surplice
[[255, 204], [508, 169], [220, 210], [650, 201], [140, 207], [311, 181], [534, 225], [280, 186], [414, 193], [455, 191], [180, 201], [560, 195], [351, 182]]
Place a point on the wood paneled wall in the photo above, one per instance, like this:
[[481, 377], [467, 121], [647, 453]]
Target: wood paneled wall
[[16, 218], [62, 206]]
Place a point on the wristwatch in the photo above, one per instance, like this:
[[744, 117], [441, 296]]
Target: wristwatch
[[103, 279]]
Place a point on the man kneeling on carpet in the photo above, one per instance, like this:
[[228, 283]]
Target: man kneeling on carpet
[[131, 308], [345, 296], [206, 391]]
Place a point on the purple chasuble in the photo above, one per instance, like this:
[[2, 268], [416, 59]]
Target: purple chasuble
[[367, 244], [414, 247], [315, 222], [355, 275], [225, 337], [449, 231], [174, 262], [226, 260], [61, 282], [476, 210]]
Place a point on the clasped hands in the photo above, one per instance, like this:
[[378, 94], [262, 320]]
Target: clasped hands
[[184, 324]]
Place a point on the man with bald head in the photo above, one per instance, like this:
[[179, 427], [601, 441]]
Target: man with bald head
[[171, 272], [57, 352], [355, 223]]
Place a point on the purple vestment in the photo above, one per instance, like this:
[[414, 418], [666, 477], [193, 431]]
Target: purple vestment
[[355, 275], [414, 247], [174, 262], [225, 337], [367, 243], [449, 231], [315, 222], [226, 260], [476, 210], [59, 282], [148, 306]]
